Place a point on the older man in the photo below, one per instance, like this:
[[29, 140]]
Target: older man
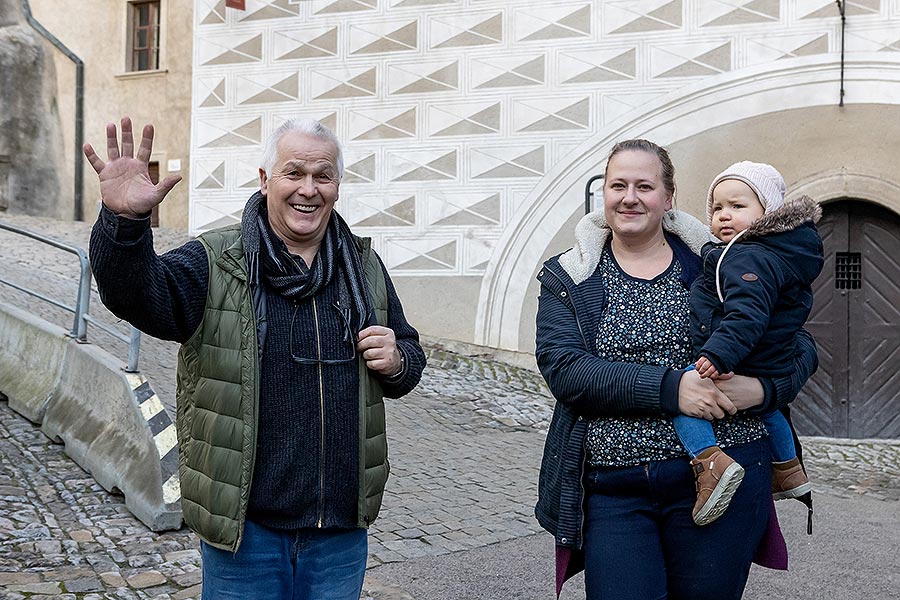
[[291, 333]]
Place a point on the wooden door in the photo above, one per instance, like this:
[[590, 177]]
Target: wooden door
[[821, 408], [856, 323]]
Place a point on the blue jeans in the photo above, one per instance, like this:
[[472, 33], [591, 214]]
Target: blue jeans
[[642, 544], [781, 439], [697, 435], [309, 564]]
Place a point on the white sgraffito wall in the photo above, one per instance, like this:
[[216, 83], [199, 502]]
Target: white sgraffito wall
[[470, 126]]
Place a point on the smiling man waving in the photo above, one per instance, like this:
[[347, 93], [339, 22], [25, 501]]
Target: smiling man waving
[[291, 335]]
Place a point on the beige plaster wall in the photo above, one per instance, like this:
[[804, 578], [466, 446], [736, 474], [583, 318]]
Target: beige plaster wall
[[801, 143], [435, 309], [96, 31]]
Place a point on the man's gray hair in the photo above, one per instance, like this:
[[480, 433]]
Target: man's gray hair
[[305, 126]]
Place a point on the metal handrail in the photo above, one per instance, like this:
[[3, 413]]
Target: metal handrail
[[82, 301], [589, 193]]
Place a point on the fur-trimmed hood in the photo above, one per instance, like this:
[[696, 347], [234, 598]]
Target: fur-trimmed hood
[[591, 234], [790, 232], [787, 218]]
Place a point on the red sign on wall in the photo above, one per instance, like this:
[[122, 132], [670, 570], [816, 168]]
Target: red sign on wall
[[238, 4]]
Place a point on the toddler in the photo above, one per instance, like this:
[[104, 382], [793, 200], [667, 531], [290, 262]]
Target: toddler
[[752, 297]]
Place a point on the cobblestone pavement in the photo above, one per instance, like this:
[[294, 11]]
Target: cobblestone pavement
[[465, 449]]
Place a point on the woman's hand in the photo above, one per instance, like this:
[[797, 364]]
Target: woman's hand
[[702, 399], [744, 392]]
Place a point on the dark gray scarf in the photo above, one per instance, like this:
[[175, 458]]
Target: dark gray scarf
[[287, 274]]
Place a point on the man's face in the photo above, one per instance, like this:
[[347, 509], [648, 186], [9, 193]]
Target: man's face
[[301, 191]]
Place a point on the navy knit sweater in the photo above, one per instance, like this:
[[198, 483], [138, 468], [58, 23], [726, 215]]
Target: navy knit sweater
[[307, 444]]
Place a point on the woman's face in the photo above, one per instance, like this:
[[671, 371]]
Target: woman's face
[[634, 197]]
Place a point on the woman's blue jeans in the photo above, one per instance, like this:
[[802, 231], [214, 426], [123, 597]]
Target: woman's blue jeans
[[308, 564], [642, 544]]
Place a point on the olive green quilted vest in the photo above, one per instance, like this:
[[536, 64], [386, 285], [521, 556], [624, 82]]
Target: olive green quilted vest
[[217, 400]]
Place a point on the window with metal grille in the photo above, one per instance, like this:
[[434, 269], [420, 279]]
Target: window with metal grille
[[144, 36], [847, 270]]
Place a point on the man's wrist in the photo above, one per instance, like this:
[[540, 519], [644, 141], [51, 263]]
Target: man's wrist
[[402, 369], [122, 228]]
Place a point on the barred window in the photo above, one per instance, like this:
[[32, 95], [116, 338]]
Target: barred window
[[847, 270]]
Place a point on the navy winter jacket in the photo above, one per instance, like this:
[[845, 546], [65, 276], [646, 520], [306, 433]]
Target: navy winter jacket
[[586, 386], [766, 281]]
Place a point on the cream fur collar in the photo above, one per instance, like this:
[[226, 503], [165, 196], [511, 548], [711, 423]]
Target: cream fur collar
[[591, 234]]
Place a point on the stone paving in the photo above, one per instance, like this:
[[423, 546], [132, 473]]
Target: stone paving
[[62, 536], [465, 448]]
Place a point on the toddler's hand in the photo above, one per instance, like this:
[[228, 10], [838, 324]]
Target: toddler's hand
[[706, 369]]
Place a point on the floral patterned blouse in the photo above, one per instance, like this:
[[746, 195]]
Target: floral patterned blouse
[[646, 321]]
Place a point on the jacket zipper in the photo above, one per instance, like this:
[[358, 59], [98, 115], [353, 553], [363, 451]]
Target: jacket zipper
[[580, 542], [321, 421]]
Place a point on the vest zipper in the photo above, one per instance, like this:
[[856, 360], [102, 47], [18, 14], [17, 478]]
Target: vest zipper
[[321, 421]]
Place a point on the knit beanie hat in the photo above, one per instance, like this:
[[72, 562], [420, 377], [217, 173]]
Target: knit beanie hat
[[765, 181]]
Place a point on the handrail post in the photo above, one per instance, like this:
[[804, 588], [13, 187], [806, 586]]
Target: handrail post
[[82, 304], [134, 351]]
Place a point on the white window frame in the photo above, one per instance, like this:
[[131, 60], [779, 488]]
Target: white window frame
[[128, 44]]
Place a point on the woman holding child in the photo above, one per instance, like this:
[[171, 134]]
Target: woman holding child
[[617, 487]]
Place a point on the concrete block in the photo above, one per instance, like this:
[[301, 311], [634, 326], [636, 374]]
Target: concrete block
[[115, 428], [32, 352]]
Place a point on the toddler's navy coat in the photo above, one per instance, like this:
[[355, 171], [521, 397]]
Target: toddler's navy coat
[[766, 278]]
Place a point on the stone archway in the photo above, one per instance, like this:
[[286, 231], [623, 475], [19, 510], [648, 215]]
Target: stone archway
[[798, 83]]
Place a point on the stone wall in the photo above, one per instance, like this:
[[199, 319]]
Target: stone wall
[[31, 156]]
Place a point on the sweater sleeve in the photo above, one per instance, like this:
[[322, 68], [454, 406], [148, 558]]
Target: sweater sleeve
[[589, 385], [163, 296], [407, 343]]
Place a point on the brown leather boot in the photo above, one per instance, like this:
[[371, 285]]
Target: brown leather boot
[[789, 480], [718, 478]]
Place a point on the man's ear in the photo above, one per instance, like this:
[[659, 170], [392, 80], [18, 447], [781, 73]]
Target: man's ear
[[263, 181]]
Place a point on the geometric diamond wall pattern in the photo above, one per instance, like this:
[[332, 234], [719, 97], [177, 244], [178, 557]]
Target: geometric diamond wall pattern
[[512, 71], [553, 22], [451, 111], [641, 16]]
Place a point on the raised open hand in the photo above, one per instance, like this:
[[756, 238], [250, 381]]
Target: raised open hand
[[125, 185]]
